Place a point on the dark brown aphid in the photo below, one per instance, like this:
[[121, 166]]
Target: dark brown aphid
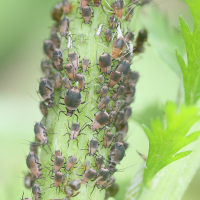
[[64, 27], [107, 140], [105, 62], [58, 59], [66, 6], [57, 12], [58, 178], [112, 21], [86, 13], [66, 83], [93, 146], [127, 113], [40, 132], [86, 165], [36, 191], [100, 120], [58, 163], [58, 80], [117, 153], [130, 89], [71, 162], [129, 37], [81, 79], [84, 3], [112, 116], [72, 100], [70, 71], [117, 105], [108, 35], [109, 182], [97, 3], [48, 48], [119, 118], [114, 78], [29, 180], [118, 7], [123, 128], [74, 59], [99, 162], [75, 184], [129, 13], [118, 46], [103, 103], [103, 92], [46, 66], [124, 67], [100, 79], [55, 39], [33, 163], [119, 137], [85, 64], [131, 77], [102, 176], [118, 92], [88, 175], [43, 108]]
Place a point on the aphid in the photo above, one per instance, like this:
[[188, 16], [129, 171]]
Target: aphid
[[86, 165], [120, 117], [107, 140], [103, 103], [57, 12], [58, 80], [112, 190], [58, 59], [117, 153], [88, 175], [72, 100], [109, 182], [86, 13], [102, 176], [108, 35], [48, 48], [118, 46], [98, 32], [112, 116], [131, 77], [24, 198], [33, 163], [64, 26], [112, 21], [117, 105], [55, 39], [127, 113], [118, 92], [118, 7], [129, 37], [58, 163], [66, 83], [29, 180], [43, 108], [97, 3], [119, 137], [99, 162], [105, 62], [70, 71], [103, 92], [84, 3], [74, 59], [92, 147], [36, 191], [40, 132], [123, 128], [46, 66], [71, 162], [130, 89], [129, 13], [100, 120], [124, 67], [114, 78], [97, 88], [85, 63], [100, 79], [58, 178], [81, 79], [66, 6]]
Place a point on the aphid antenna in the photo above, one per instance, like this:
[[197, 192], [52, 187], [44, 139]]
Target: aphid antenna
[[103, 45], [142, 156], [108, 5]]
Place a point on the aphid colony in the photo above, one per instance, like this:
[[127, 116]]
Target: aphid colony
[[66, 91]]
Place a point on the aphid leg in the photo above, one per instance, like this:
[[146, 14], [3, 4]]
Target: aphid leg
[[75, 194], [74, 171], [89, 118]]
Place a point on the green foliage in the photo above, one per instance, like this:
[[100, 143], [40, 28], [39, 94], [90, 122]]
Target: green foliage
[[166, 142], [190, 69]]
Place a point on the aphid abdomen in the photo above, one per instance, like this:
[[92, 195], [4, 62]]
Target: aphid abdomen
[[74, 60], [105, 63], [85, 64], [107, 139], [66, 83], [108, 35], [70, 71], [118, 46], [86, 14], [58, 178], [114, 78], [71, 162], [48, 48], [93, 146], [88, 175], [58, 163], [97, 3], [104, 102], [75, 129], [118, 7]]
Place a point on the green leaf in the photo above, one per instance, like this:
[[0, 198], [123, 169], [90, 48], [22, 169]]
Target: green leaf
[[190, 69], [166, 142]]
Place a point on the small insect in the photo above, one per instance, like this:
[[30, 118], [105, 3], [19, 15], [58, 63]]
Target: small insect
[[58, 179], [58, 59], [98, 32], [124, 67], [86, 13], [127, 54], [130, 89], [86, 165], [74, 59], [97, 3], [117, 153], [112, 116], [119, 137], [81, 79], [118, 46], [88, 175], [112, 21], [64, 26], [58, 163], [46, 66], [120, 117], [29, 180], [109, 182], [85, 64], [84, 3], [82, 38], [36, 191], [33, 163], [117, 105], [129, 13], [118, 92], [118, 8], [66, 6], [100, 79], [107, 140], [66, 83], [99, 162], [132, 77], [70, 71], [103, 91], [123, 128], [129, 37], [57, 12], [48, 48], [55, 39], [58, 80], [114, 78], [92, 147], [108, 35], [40, 132], [102, 176], [72, 160], [127, 113], [105, 62], [103, 103]]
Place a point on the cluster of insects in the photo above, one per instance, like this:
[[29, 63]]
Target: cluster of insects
[[66, 91]]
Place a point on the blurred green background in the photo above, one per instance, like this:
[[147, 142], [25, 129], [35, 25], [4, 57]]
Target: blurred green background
[[24, 26]]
